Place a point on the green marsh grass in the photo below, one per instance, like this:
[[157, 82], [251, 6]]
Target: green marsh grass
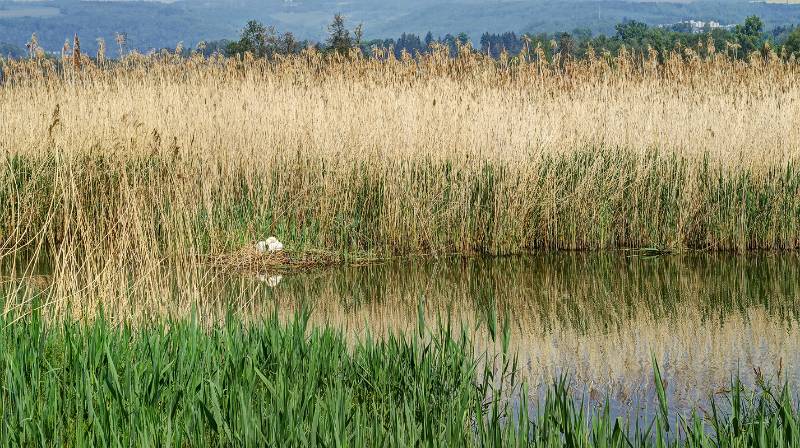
[[291, 384]]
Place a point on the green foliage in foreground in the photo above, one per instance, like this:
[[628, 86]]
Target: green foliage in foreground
[[286, 384]]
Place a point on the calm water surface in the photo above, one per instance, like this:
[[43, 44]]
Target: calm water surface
[[598, 318]]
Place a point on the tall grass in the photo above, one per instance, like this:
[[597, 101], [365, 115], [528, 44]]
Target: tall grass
[[158, 156], [177, 384]]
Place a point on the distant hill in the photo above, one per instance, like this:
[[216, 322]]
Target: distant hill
[[150, 24], [11, 50], [597, 16], [146, 24]]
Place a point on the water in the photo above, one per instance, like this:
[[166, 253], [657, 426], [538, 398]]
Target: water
[[598, 318]]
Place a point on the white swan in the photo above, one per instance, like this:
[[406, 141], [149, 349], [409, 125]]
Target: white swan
[[270, 245], [273, 245]]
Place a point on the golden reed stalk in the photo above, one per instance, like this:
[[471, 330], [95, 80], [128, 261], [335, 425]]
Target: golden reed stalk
[[162, 156]]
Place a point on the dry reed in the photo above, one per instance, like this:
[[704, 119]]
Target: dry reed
[[169, 156]]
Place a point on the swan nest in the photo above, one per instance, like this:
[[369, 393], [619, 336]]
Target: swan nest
[[250, 259]]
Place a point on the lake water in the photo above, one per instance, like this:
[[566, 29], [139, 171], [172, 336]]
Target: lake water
[[598, 318]]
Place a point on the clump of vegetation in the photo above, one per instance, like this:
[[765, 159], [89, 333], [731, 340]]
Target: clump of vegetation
[[178, 383], [248, 259], [263, 42]]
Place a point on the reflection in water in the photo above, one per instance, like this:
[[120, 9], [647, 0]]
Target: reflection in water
[[270, 280], [600, 318]]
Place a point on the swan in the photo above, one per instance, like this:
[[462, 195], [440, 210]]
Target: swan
[[271, 245]]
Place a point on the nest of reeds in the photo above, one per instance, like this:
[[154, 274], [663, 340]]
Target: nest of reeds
[[37, 282], [249, 260]]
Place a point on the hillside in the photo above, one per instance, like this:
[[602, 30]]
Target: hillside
[[156, 25]]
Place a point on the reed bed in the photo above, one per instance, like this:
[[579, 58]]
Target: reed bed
[[157, 157]]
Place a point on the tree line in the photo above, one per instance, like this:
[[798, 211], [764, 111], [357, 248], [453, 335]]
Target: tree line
[[738, 41], [263, 41]]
